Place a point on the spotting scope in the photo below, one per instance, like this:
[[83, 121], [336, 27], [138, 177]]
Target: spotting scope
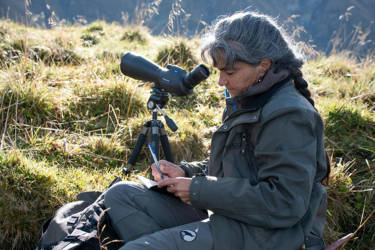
[[173, 79]]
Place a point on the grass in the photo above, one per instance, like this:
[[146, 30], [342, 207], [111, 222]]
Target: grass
[[178, 54], [136, 34], [344, 90], [69, 120]]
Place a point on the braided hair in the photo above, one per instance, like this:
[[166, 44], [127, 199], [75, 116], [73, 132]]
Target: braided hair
[[251, 37]]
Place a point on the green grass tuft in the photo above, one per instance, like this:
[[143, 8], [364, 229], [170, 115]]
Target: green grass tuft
[[95, 27], [28, 197], [90, 39], [103, 106], [57, 55], [134, 35], [27, 104], [350, 130], [178, 53]]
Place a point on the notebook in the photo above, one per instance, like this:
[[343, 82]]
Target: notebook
[[152, 185]]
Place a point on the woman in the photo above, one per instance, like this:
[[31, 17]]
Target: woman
[[262, 182]]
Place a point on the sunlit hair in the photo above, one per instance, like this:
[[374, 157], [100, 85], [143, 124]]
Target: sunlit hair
[[249, 37]]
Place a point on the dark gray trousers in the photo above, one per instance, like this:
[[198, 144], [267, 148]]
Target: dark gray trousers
[[146, 219]]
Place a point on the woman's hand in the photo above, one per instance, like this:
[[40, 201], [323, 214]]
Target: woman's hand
[[168, 169], [179, 186]]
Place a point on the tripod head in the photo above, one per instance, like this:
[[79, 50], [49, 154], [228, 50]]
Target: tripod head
[[159, 97]]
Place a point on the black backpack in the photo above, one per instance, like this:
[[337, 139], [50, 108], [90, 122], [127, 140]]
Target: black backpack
[[80, 225]]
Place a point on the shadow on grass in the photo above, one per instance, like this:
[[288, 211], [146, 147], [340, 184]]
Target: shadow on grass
[[26, 201], [350, 133]]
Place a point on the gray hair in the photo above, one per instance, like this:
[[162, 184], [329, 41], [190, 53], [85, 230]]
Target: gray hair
[[251, 37]]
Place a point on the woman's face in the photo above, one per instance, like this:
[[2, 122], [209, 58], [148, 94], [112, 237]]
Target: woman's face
[[239, 78]]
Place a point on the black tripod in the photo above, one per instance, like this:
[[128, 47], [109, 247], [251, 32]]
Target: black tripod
[[158, 99]]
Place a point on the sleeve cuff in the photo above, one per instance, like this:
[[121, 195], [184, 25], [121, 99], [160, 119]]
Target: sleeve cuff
[[197, 185], [187, 173]]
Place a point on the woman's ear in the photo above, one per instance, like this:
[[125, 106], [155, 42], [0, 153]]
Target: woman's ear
[[265, 64]]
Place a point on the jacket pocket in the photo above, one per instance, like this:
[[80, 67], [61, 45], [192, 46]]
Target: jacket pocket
[[313, 242]]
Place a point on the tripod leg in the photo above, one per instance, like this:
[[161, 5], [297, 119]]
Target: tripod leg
[[138, 146], [155, 138], [165, 145]]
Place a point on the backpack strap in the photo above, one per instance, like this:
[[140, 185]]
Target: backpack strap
[[85, 225], [75, 225]]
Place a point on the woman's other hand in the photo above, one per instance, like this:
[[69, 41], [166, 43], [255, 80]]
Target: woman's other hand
[[179, 186], [169, 170]]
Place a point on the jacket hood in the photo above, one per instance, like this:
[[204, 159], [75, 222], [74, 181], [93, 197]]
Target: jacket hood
[[258, 94]]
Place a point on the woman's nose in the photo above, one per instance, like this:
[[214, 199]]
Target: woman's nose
[[222, 81]]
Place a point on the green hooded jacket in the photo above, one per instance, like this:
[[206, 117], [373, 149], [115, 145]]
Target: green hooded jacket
[[262, 182]]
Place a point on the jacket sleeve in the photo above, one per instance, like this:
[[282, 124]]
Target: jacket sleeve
[[285, 157], [193, 168]]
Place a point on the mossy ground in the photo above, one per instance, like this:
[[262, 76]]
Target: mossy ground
[[69, 120]]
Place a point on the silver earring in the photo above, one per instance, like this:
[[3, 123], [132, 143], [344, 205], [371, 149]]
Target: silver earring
[[260, 80]]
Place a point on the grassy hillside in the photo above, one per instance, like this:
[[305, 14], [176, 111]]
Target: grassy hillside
[[69, 120]]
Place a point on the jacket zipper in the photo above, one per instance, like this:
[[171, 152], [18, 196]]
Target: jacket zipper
[[245, 151]]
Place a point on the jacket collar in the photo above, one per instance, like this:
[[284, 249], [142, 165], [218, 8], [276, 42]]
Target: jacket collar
[[257, 95]]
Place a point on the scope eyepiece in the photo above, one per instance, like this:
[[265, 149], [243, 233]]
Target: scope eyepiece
[[197, 75]]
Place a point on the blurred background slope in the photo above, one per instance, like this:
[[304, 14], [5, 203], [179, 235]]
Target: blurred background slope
[[321, 19]]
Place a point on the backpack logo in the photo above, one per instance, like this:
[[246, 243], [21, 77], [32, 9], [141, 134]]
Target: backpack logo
[[188, 235]]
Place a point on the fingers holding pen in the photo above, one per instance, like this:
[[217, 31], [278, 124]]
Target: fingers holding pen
[[155, 173], [169, 170]]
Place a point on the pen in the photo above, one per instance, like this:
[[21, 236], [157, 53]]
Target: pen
[[155, 160]]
